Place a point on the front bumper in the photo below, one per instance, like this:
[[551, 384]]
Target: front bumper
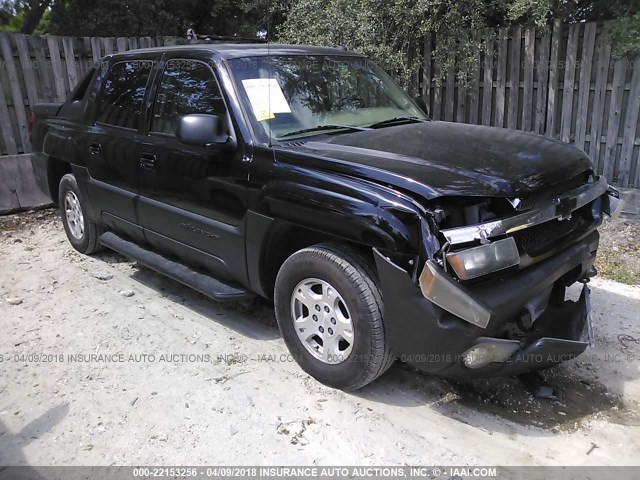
[[425, 335]]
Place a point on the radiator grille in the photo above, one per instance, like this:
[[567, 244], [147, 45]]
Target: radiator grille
[[536, 240], [531, 200]]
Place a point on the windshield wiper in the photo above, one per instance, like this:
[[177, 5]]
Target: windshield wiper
[[391, 121], [320, 128]]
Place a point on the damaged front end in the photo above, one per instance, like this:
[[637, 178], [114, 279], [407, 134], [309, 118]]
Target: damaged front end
[[489, 297]]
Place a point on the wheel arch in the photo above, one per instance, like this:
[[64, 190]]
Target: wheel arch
[[272, 242], [56, 169]]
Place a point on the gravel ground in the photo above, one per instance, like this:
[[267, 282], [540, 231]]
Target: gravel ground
[[104, 362], [619, 255]]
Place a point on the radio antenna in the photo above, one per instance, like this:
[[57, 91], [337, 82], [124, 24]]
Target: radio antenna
[[269, 68]]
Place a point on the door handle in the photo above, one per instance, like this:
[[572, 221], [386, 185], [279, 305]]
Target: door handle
[[148, 161], [95, 148]]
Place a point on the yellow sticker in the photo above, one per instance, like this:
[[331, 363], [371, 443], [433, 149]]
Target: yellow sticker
[[262, 115], [266, 97]]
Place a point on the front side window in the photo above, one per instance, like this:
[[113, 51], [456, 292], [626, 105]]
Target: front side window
[[187, 87], [120, 103]]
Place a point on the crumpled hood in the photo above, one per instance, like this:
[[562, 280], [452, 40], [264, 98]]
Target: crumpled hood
[[447, 158]]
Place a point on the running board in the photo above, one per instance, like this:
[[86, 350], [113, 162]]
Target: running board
[[179, 272]]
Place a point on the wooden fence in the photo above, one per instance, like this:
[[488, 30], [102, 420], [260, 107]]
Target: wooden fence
[[562, 82], [45, 69]]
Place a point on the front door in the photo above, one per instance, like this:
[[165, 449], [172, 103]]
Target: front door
[[193, 198]]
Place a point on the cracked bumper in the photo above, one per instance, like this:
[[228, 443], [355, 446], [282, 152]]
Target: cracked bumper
[[434, 340]]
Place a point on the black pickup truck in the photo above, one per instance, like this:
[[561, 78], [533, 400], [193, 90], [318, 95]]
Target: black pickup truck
[[305, 175]]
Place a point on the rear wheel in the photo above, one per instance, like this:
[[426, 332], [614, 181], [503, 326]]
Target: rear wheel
[[81, 231], [329, 311]]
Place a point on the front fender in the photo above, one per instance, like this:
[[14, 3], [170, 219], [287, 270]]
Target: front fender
[[345, 208]]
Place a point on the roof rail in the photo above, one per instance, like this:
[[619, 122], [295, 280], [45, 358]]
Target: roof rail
[[202, 38]]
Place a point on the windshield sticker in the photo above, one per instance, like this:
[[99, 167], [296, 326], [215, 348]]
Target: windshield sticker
[[261, 92]]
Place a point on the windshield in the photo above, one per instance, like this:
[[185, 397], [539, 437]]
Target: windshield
[[296, 96]]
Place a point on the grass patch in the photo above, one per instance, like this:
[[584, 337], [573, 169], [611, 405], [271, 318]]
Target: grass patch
[[613, 266]]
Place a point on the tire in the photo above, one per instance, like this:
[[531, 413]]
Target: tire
[[310, 278], [81, 231]]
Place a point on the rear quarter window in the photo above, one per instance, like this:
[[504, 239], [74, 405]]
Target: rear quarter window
[[82, 87], [120, 102]]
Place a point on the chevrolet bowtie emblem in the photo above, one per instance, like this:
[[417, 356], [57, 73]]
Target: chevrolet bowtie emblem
[[564, 207]]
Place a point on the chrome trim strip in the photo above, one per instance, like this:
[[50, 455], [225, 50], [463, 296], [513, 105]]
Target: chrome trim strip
[[483, 231]]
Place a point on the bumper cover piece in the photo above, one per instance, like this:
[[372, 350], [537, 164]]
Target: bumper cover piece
[[438, 287], [424, 334], [575, 332], [612, 204]]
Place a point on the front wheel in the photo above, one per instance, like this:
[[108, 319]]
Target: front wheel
[[81, 231], [329, 311]]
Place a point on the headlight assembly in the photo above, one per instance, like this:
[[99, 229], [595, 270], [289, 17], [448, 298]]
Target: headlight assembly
[[477, 261]]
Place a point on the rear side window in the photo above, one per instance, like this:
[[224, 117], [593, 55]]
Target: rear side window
[[81, 88], [186, 87], [120, 103]]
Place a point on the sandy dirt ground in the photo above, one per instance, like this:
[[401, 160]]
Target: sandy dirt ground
[[104, 362], [619, 255]]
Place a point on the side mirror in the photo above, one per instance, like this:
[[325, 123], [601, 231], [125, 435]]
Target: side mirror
[[422, 104], [201, 130]]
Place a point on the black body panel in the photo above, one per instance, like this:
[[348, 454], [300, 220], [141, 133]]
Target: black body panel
[[459, 159]]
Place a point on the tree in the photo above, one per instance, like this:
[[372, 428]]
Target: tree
[[23, 15], [388, 29], [162, 17], [111, 18], [541, 12], [33, 12], [623, 16]]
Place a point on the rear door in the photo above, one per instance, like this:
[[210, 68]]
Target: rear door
[[193, 199], [112, 145]]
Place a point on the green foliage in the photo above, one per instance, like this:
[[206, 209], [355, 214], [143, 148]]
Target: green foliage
[[12, 23], [536, 11], [625, 36], [161, 17], [387, 30], [117, 17], [623, 18], [541, 12], [22, 15]]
